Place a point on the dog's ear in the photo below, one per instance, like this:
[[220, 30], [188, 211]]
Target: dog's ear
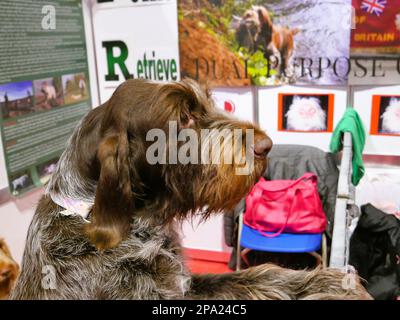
[[296, 99], [264, 36], [264, 17], [113, 206], [4, 248], [188, 100]]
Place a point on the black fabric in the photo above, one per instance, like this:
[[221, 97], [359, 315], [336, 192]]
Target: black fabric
[[375, 252], [230, 223], [291, 162]]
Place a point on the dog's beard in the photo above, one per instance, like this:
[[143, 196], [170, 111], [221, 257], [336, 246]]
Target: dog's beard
[[233, 169], [391, 117], [306, 114]]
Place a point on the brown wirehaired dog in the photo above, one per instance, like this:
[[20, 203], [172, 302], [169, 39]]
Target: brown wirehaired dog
[[117, 239], [8, 270], [256, 31]]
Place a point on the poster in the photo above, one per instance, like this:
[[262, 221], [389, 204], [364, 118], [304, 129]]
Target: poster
[[379, 109], [301, 115], [305, 112], [375, 42], [135, 39], [259, 42], [385, 118], [44, 86], [235, 101]]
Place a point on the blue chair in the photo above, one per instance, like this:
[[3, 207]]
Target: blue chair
[[251, 239]]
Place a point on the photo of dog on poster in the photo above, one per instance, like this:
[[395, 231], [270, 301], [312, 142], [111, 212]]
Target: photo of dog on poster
[[75, 88], [305, 112], [20, 182], [259, 42], [46, 169], [48, 93], [385, 118]]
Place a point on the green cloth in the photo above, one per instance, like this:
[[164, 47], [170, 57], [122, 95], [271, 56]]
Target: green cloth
[[351, 122]]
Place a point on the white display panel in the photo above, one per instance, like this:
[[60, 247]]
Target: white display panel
[[237, 101], [269, 107], [376, 143], [138, 31]]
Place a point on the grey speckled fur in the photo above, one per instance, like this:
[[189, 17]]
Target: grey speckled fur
[[149, 265], [146, 265]]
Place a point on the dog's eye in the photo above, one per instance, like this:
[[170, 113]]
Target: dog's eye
[[6, 274]]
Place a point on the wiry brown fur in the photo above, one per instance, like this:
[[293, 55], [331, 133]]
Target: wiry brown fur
[[277, 284], [130, 249]]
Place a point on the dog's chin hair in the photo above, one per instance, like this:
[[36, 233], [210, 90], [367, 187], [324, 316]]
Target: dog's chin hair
[[66, 180], [390, 121], [296, 122]]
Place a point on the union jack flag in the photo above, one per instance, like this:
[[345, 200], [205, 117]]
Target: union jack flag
[[374, 6]]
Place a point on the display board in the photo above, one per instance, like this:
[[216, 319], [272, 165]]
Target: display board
[[135, 39], [239, 43], [44, 85], [301, 115], [379, 109]]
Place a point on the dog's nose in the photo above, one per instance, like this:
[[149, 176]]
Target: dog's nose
[[262, 147]]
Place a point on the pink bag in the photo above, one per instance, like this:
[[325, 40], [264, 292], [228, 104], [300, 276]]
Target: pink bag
[[285, 206]]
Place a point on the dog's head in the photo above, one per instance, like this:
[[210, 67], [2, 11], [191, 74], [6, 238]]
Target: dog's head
[[305, 114], [391, 117], [161, 151], [8, 270], [255, 26]]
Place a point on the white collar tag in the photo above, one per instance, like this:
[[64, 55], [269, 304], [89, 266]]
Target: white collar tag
[[72, 206]]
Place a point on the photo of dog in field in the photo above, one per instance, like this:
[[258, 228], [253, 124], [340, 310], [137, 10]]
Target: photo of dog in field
[[48, 93], [306, 113], [256, 31], [259, 42], [75, 88], [20, 182]]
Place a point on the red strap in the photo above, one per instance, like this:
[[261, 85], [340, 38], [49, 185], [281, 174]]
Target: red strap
[[306, 176]]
